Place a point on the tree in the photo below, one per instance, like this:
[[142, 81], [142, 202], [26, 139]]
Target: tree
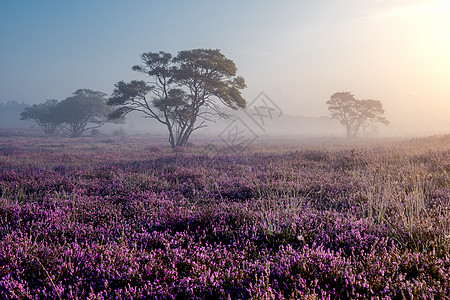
[[182, 90], [356, 115], [84, 110], [44, 115]]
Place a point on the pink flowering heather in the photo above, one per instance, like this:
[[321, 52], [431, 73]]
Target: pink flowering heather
[[122, 219]]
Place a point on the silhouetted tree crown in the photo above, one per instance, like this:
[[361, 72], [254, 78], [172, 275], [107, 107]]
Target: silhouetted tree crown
[[44, 115], [84, 110], [356, 115], [182, 90]]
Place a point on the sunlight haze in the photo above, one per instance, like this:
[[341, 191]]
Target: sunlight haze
[[297, 52]]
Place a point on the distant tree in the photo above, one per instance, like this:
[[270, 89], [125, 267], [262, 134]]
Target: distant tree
[[44, 115], [84, 110], [182, 89], [356, 115], [10, 113], [12, 106]]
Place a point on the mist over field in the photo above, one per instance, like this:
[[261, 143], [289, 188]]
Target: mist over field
[[284, 125]]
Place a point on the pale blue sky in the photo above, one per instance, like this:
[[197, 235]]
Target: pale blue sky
[[298, 52]]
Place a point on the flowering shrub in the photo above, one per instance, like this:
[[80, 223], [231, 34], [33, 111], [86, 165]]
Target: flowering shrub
[[117, 219]]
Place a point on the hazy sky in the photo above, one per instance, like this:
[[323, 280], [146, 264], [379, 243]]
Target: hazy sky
[[297, 52]]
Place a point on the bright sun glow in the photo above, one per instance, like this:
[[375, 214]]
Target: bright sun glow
[[425, 32], [427, 28]]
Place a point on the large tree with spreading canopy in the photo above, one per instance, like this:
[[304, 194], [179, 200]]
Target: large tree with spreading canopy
[[356, 115], [184, 91]]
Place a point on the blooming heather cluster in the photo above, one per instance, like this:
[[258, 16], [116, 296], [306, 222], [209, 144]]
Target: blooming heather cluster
[[119, 219]]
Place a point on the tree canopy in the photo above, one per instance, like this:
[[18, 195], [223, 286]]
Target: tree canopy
[[85, 109], [356, 115], [184, 91], [44, 115]]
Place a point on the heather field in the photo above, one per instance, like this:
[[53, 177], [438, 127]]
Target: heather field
[[123, 218]]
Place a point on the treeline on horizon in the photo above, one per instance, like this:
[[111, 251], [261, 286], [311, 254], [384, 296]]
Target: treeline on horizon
[[10, 113]]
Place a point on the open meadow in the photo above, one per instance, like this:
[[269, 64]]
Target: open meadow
[[123, 218]]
